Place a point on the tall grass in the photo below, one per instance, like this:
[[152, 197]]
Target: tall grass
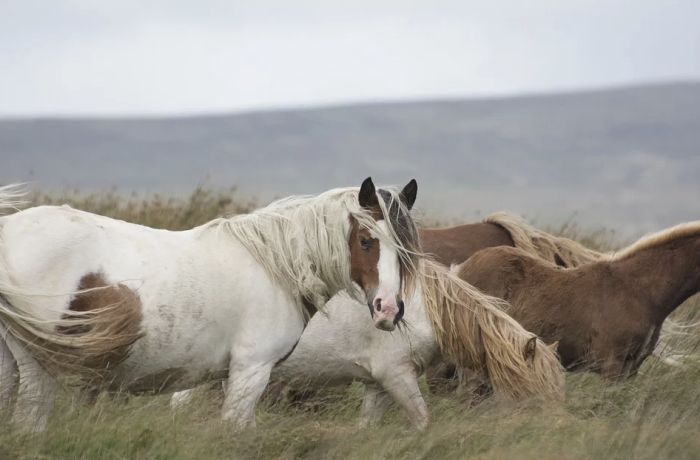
[[655, 415]]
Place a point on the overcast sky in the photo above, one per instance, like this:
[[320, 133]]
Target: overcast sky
[[148, 57]]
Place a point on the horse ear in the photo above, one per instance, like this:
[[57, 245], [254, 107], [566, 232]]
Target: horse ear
[[554, 347], [409, 192], [530, 349], [368, 195]]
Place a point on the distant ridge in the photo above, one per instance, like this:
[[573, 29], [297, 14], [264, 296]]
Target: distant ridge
[[355, 104], [627, 158]]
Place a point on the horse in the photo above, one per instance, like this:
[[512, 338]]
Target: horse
[[445, 317], [128, 307], [605, 315], [454, 245]]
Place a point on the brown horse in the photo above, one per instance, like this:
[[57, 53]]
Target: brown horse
[[607, 314], [454, 245]]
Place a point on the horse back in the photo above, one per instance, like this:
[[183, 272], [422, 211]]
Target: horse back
[[50, 249], [456, 244]]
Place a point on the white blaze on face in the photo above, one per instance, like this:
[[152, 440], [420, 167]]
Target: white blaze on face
[[389, 286]]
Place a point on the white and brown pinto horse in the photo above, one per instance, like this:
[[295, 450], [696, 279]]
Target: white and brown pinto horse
[[134, 308]]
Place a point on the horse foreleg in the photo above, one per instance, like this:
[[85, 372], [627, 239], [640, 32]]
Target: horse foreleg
[[8, 377], [244, 388], [403, 387], [375, 403], [37, 390]]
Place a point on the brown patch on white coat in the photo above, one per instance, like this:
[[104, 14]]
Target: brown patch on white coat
[[95, 334]]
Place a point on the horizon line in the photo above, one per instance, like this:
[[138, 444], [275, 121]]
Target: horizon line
[[346, 104]]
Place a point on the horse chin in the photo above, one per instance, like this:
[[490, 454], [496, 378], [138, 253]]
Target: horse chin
[[385, 325]]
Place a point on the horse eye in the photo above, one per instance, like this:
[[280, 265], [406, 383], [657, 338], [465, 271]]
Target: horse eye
[[365, 244]]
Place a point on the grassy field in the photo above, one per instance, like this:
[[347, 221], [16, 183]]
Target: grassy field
[[655, 415]]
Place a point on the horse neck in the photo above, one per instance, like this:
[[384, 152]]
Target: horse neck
[[666, 274]]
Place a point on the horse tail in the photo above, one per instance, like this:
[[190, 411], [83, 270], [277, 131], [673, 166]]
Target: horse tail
[[89, 338], [559, 250], [473, 330], [12, 197]]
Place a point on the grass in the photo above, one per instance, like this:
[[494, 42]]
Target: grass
[[655, 415]]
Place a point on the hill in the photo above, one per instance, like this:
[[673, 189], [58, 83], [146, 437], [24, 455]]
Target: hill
[[626, 158]]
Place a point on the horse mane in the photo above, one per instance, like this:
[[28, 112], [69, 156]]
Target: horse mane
[[687, 229], [473, 330], [542, 244], [302, 241]]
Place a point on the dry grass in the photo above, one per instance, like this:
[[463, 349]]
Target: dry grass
[[656, 415], [202, 205]]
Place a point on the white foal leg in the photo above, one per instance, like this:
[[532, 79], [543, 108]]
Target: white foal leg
[[375, 403], [246, 384], [8, 377], [403, 387], [37, 390]]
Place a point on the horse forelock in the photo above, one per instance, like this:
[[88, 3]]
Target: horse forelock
[[403, 234]]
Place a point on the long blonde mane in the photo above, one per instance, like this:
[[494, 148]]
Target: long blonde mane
[[473, 330], [687, 229], [542, 244], [302, 242]]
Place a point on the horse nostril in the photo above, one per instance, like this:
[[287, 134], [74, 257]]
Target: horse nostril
[[378, 304], [401, 304]]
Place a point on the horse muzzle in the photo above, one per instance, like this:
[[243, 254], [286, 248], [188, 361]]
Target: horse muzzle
[[387, 314]]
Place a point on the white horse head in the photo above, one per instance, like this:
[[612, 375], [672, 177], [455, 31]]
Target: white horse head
[[381, 255]]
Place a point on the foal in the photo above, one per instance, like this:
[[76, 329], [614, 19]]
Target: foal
[[606, 315]]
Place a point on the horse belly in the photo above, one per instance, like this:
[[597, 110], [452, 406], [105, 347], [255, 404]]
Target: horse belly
[[180, 347], [214, 306]]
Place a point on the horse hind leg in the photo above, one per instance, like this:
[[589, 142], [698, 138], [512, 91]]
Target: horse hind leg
[[36, 392], [8, 378]]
